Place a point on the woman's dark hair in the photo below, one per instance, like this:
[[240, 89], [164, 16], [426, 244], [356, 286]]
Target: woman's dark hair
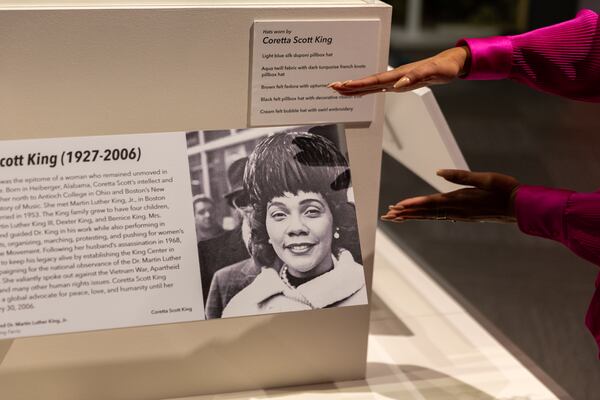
[[293, 162]]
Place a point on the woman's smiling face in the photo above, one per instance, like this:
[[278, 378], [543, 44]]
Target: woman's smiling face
[[300, 229]]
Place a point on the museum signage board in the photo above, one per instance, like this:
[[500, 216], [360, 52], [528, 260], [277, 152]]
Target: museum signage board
[[97, 92], [294, 61], [138, 224]]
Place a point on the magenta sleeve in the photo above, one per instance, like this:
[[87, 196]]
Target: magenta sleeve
[[562, 215], [562, 59], [491, 58]]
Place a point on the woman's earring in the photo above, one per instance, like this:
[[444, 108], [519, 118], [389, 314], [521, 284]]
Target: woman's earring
[[336, 234], [269, 241]]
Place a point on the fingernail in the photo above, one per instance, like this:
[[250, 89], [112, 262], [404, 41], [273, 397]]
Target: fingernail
[[346, 82], [405, 80], [332, 84], [399, 219], [397, 207], [386, 217]]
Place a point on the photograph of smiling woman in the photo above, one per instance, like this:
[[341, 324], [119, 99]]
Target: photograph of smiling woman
[[303, 228]]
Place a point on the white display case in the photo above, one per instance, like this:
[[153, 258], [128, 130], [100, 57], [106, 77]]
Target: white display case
[[83, 68]]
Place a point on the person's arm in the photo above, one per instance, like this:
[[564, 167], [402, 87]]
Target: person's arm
[[441, 68], [568, 217], [562, 59], [488, 197]]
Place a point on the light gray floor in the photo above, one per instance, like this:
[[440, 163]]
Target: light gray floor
[[534, 290]]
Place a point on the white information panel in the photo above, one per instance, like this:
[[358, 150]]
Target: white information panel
[[92, 236], [129, 230], [294, 61]]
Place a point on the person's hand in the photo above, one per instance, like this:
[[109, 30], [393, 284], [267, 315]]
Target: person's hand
[[441, 68], [490, 199]]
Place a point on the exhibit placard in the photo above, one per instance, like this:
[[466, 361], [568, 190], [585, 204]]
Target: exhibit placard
[[91, 236], [294, 61], [130, 230]]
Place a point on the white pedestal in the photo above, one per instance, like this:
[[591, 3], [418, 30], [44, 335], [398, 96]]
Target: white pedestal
[[95, 68]]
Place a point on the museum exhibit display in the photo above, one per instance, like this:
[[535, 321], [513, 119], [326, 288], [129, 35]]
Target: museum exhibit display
[[129, 130]]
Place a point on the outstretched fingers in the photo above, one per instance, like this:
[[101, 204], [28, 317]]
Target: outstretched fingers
[[375, 81], [443, 213], [423, 204], [404, 78]]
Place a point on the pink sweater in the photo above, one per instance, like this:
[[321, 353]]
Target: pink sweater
[[562, 59]]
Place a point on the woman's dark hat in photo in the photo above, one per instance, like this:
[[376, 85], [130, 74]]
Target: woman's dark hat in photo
[[237, 196]]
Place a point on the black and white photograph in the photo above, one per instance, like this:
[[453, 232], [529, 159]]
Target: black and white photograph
[[275, 220]]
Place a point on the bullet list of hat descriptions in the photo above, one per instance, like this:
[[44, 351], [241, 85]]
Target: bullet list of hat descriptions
[[272, 92], [80, 241], [294, 61]]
